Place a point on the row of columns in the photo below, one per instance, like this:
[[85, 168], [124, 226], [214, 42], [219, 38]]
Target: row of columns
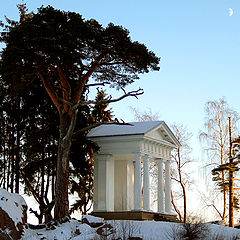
[[163, 206]]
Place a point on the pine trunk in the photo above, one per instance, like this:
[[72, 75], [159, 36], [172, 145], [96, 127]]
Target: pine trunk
[[18, 158], [62, 176]]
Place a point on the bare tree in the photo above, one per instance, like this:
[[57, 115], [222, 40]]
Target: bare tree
[[145, 116], [217, 141], [181, 157]]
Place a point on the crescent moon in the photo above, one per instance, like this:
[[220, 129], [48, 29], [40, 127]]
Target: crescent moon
[[230, 12]]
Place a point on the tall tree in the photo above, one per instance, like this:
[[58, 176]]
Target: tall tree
[[69, 55], [217, 137], [230, 167], [182, 158]]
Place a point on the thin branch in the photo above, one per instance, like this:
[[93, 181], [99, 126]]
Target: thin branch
[[189, 161], [66, 88], [49, 90], [110, 100], [86, 76], [96, 84], [213, 205], [175, 179], [72, 125], [65, 101], [29, 185], [112, 63]]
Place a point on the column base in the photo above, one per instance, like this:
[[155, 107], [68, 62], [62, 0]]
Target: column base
[[101, 211], [136, 215], [137, 210]]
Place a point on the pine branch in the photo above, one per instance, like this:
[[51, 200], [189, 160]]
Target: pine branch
[[96, 84]]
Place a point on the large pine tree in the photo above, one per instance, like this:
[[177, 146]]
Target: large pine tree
[[70, 55]]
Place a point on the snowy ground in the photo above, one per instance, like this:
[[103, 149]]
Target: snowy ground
[[92, 228], [149, 230]]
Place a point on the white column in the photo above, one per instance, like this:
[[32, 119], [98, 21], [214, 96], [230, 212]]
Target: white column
[[146, 188], [160, 186], [167, 187], [138, 184], [104, 183]]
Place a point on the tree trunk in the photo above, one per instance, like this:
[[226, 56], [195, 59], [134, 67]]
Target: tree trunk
[[12, 159], [184, 203], [224, 197], [62, 176], [175, 208], [18, 158], [5, 165], [231, 219], [183, 186]]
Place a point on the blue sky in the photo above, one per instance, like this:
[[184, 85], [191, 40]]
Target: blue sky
[[199, 46]]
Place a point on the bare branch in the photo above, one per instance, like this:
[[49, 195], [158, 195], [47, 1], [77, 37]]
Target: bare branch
[[96, 84], [213, 205], [110, 100], [175, 179], [72, 124], [86, 76], [65, 85], [49, 89]]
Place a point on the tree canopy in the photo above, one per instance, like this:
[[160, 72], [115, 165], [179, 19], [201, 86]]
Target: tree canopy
[[69, 55]]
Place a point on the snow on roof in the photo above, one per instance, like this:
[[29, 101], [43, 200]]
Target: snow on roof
[[136, 128]]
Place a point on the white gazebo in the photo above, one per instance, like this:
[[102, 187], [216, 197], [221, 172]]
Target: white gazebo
[[121, 184]]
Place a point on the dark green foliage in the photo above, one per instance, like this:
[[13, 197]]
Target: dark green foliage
[[52, 37], [230, 169], [49, 60]]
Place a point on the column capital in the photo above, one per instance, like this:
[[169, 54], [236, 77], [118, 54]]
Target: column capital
[[160, 159], [100, 157], [138, 154], [167, 162], [147, 156]]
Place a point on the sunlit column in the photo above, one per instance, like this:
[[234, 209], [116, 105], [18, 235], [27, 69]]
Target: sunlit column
[[138, 184], [146, 187], [167, 187], [160, 185]]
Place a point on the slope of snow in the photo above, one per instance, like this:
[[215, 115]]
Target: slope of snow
[[12, 203], [64, 231], [76, 230]]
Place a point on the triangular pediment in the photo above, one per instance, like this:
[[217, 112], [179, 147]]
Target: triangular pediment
[[162, 133]]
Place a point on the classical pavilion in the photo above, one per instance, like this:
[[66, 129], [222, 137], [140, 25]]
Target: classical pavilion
[[121, 169]]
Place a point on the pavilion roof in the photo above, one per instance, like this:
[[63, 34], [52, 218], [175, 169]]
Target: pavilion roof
[[135, 128]]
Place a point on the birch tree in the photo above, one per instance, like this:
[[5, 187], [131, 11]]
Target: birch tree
[[216, 135]]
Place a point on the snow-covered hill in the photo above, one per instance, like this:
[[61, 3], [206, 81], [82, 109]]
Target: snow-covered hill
[[149, 230], [93, 228]]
